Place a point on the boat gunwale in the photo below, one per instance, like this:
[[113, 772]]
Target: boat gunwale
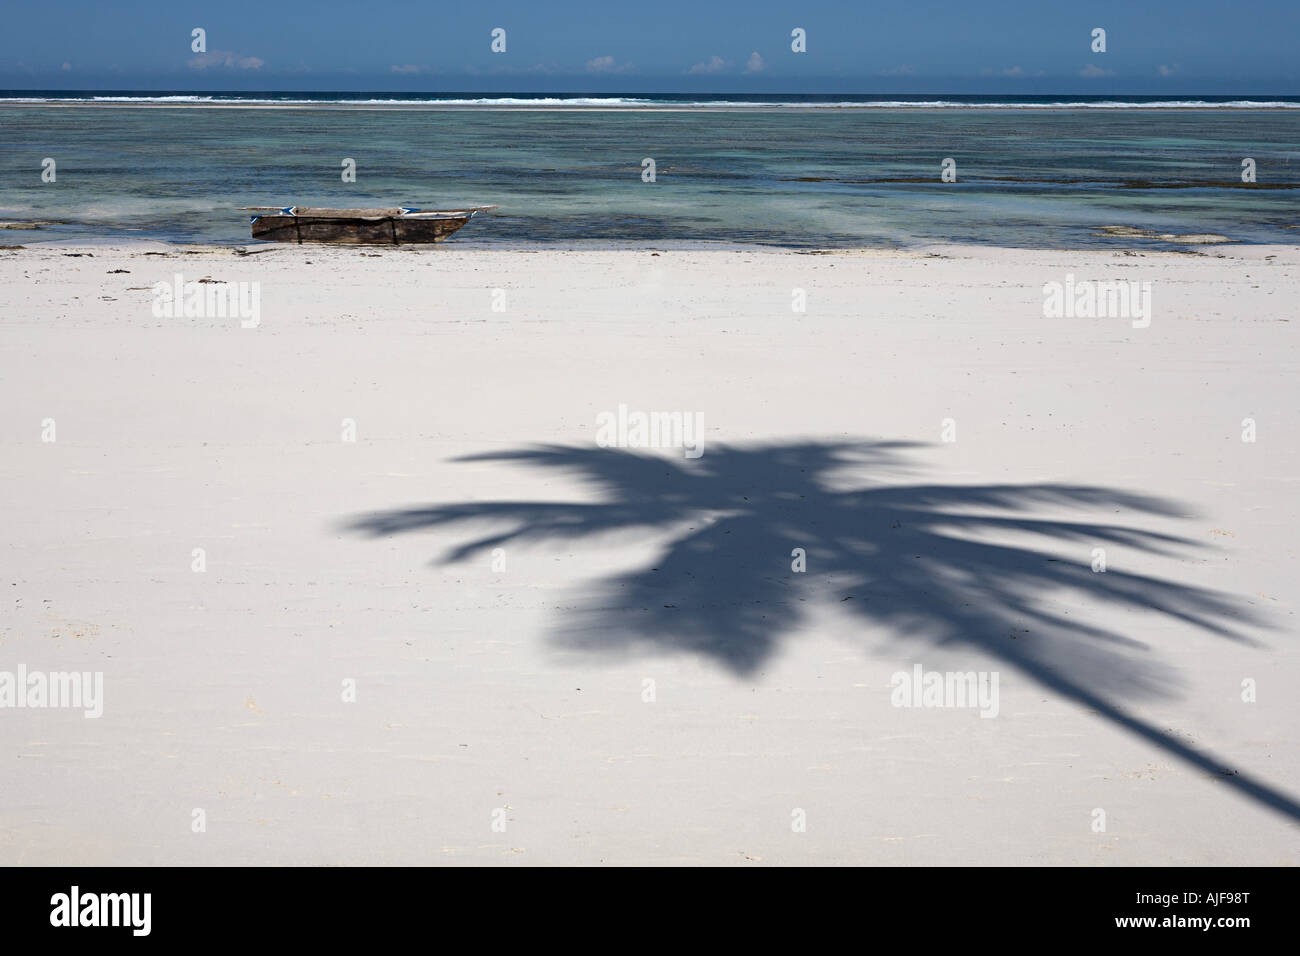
[[321, 214]]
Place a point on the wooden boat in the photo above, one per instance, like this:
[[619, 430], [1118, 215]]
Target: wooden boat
[[402, 224]]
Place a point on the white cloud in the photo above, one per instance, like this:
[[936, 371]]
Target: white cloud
[[607, 64], [1093, 70], [226, 59], [1011, 71], [66, 65], [1169, 70], [898, 71], [407, 68], [714, 64], [755, 64]]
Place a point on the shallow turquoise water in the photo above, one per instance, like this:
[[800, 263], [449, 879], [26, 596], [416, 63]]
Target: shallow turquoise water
[[818, 177]]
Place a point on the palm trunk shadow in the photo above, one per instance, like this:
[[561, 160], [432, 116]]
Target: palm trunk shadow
[[918, 559]]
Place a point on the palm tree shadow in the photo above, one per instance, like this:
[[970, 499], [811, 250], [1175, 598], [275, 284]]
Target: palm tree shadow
[[921, 560]]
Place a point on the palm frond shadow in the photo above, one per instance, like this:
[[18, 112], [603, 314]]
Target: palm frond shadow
[[918, 560]]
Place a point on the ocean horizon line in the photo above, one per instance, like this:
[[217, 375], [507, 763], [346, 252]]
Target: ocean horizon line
[[456, 99]]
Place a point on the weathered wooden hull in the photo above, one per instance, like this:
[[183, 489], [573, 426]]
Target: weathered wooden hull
[[356, 230]]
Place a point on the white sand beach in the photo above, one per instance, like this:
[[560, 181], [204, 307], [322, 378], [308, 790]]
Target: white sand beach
[[638, 676]]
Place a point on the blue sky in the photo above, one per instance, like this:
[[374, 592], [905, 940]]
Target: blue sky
[[998, 46]]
